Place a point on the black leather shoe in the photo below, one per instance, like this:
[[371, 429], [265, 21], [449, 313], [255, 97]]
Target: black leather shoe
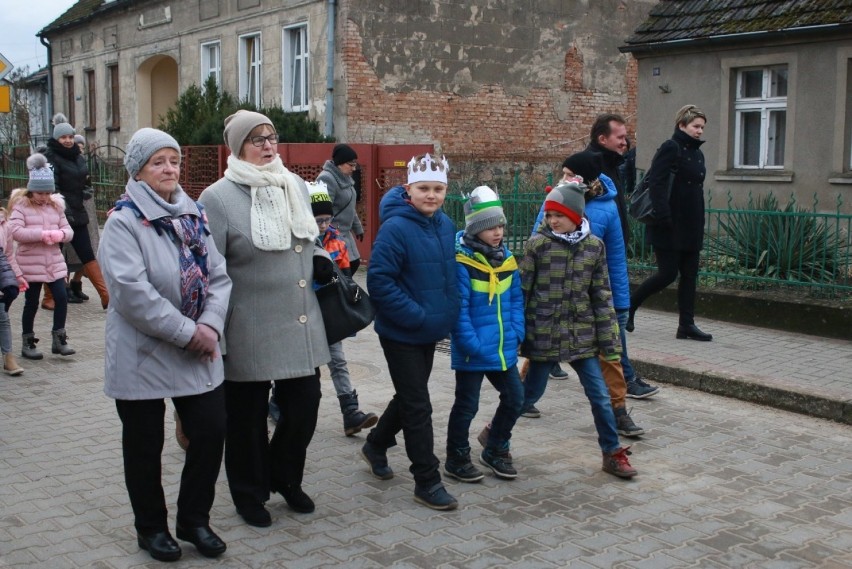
[[205, 541], [160, 545], [256, 516], [297, 500], [692, 332]]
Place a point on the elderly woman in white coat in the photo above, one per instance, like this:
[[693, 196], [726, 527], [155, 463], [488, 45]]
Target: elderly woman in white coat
[[261, 220], [169, 297]]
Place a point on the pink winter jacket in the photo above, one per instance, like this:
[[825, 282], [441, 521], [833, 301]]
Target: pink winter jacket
[[8, 243], [39, 262]]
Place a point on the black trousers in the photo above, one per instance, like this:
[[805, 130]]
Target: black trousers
[[254, 463], [82, 243], [410, 410], [203, 419], [669, 264]]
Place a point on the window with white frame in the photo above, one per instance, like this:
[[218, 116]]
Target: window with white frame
[[760, 107], [211, 63], [296, 68], [249, 70]]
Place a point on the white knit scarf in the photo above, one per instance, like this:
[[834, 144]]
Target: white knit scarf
[[278, 207]]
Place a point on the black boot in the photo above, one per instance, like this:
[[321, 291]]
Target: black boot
[[692, 332], [72, 298], [353, 418], [77, 292], [629, 326]]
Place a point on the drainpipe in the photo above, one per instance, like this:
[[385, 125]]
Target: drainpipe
[[329, 80], [49, 79]]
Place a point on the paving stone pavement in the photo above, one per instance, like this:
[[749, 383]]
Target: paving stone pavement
[[723, 482]]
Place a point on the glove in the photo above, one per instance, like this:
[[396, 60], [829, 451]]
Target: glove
[[88, 193], [360, 237], [10, 293], [47, 237], [323, 270], [58, 235]]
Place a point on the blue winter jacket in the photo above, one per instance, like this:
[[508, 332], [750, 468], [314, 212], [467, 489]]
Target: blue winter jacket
[[490, 326], [605, 223], [412, 273]]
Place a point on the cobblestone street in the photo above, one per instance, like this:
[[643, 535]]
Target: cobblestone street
[[722, 483]]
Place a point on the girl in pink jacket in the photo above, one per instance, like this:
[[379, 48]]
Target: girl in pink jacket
[[11, 282], [38, 224]]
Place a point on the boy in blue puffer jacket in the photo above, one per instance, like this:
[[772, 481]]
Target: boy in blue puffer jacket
[[485, 338], [413, 284]]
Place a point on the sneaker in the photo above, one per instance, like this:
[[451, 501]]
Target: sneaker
[[459, 466], [378, 461], [435, 497], [482, 437], [625, 425], [556, 372], [638, 389], [500, 463], [616, 463], [531, 412]]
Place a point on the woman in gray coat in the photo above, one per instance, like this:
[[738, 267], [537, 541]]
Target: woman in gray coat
[[261, 220], [337, 175], [169, 296]]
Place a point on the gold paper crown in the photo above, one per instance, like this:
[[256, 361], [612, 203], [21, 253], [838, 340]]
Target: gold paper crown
[[428, 169]]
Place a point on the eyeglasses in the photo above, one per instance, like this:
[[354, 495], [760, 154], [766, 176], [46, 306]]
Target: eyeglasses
[[354, 163], [260, 140], [323, 220]]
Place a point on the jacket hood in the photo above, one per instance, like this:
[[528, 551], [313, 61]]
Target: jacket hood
[[395, 203], [609, 189]]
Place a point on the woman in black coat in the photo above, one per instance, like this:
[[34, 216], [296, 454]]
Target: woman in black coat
[[679, 235], [71, 175]]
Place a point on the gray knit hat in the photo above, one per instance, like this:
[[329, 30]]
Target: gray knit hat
[[568, 199], [41, 175], [239, 125], [79, 139], [62, 129], [483, 210], [143, 144]]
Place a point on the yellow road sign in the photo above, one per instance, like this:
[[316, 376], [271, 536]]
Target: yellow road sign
[[5, 99]]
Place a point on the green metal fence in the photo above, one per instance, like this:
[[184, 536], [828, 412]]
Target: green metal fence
[[759, 246]]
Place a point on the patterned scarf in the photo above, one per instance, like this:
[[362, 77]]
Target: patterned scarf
[[575, 236], [188, 233]]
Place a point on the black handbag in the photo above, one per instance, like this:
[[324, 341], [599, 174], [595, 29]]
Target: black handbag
[[640, 205], [345, 306]]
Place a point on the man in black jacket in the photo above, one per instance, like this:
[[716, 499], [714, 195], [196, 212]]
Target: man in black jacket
[[609, 139]]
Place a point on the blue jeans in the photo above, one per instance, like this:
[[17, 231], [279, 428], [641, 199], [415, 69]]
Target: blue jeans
[[629, 372], [594, 386], [5, 332], [339, 370], [468, 385]]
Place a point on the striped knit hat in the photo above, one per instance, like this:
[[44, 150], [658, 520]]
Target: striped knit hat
[[483, 210]]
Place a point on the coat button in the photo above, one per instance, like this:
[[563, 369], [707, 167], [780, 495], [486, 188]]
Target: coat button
[[303, 283], [297, 248], [303, 318], [209, 384]]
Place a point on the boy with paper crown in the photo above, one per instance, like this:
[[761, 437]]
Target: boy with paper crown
[[354, 420], [412, 282], [569, 313], [485, 338]]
